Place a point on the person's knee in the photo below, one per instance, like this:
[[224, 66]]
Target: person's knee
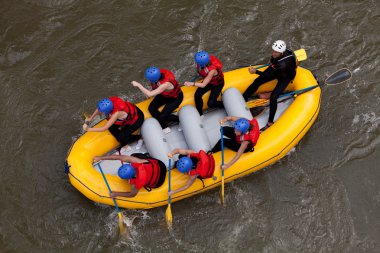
[[212, 103], [153, 110], [198, 97]]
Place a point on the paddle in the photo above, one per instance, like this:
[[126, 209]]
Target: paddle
[[122, 226], [337, 77], [222, 149], [300, 55], [168, 213]]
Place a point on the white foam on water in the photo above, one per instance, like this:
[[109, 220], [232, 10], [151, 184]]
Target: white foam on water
[[367, 118]]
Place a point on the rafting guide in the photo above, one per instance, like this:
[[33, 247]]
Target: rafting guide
[[282, 67]]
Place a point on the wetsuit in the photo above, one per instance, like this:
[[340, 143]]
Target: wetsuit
[[284, 70], [171, 99]]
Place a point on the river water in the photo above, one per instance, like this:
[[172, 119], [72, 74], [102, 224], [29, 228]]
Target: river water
[[59, 57]]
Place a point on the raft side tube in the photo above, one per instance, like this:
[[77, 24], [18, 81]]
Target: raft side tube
[[193, 129], [155, 141], [235, 105]]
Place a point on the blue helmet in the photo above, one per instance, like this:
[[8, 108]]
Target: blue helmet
[[153, 74], [105, 105], [126, 171], [242, 125], [184, 164], [202, 58]]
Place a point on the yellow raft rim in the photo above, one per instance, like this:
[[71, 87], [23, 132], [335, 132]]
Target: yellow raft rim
[[273, 144]]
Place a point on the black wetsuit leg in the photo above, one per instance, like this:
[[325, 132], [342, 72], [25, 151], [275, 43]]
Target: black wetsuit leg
[[198, 98], [214, 94], [165, 116], [268, 75], [229, 142], [124, 134], [278, 90]]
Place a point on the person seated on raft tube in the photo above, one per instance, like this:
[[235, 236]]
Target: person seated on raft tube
[[197, 165], [283, 64], [210, 69], [141, 171], [123, 117], [166, 91], [242, 137]]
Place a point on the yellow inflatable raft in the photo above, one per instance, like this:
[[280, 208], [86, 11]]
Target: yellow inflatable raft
[[273, 144]]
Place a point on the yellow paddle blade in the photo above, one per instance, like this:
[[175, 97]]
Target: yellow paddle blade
[[169, 217], [257, 102], [222, 192], [301, 54], [122, 226]]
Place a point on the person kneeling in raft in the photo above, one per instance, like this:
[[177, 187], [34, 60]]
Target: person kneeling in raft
[[166, 91], [140, 170], [198, 165], [123, 117], [242, 137]]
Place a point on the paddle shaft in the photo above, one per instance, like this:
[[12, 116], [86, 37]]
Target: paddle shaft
[[222, 150], [222, 147], [297, 92], [169, 178], [109, 188]]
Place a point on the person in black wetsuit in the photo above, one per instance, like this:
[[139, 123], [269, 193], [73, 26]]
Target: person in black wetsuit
[[283, 64]]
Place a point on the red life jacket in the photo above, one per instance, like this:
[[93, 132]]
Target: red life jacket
[[205, 166], [168, 77], [147, 174], [121, 105], [215, 63], [251, 135]]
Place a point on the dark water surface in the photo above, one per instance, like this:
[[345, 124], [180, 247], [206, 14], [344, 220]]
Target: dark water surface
[[58, 57]]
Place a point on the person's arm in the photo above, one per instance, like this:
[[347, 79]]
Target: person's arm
[[130, 194], [243, 147], [96, 112], [109, 123], [152, 93], [180, 151], [254, 70], [188, 184], [124, 158], [228, 118], [208, 78], [205, 81]]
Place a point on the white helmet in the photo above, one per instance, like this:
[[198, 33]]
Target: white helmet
[[279, 46]]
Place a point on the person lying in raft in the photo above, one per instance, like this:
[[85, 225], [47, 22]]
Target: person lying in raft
[[197, 165], [166, 91], [123, 117], [140, 170], [210, 69], [241, 138]]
